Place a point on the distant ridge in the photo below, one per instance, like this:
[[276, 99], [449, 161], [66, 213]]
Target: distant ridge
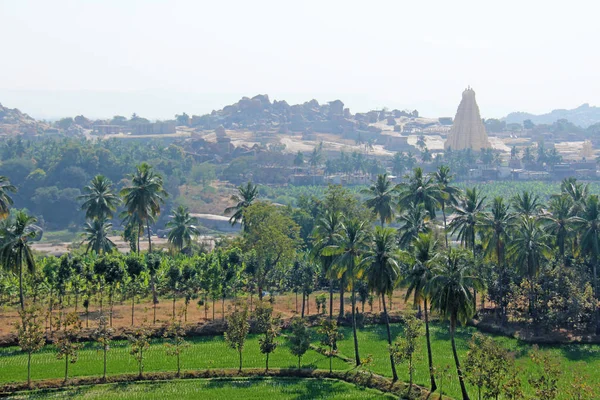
[[583, 116]]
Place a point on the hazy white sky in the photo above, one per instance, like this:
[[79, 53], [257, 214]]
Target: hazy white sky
[[158, 58]]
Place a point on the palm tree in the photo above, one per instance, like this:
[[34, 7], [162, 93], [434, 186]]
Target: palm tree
[[327, 233], [589, 226], [451, 296], [183, 228], [448, 194], [353, 244], [467, 216], [528, 248], [96, 235], [99, 200], [15, 253], [5, 200], [420, 189], [559, 221], [383, 272], [423, 257], [495, 225], [381, 197], [413, 221], [577, 192], [144, 197], [243, 198], [527, 204]]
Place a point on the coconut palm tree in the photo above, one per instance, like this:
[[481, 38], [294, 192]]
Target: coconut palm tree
[[5, 199], [182, 228], [424, 256], [243, 198], [350, 250], [527, 249], [466, 218], [420, 189], [413, 221], [15, 253], [526, 204], [99, 200], [144, 197], [589, 228], [327, 233], [495, 225], [382, 273], [577, 192], [96, 235], [380, 198], [448, 194], [451, 288], [559, 222]]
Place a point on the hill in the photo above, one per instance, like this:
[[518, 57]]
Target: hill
[[583, 116]]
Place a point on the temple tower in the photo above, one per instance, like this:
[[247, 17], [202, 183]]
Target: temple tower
[[468, 131]]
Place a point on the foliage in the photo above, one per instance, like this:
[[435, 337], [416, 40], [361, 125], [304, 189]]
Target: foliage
[[299, 338], [237, 330]]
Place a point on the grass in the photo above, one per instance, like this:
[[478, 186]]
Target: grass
[[212, 352], [64, 236], [279, 388], [575, 359], [204, 353]]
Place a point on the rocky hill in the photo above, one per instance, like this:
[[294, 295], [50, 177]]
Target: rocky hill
[[13, 121], [583, 116]]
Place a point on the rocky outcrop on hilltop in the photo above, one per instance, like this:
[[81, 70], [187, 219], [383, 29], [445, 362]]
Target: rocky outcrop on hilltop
[[14, 122]]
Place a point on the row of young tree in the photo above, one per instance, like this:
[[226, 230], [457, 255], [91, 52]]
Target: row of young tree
[[507, 249]]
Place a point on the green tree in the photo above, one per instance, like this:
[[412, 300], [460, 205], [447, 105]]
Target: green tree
[[99, 201], [96, 234], [451, 289], [182, 228], [383, 272], [5, 199], [419, 189], [15, 253], [448, 194], [175, 335], [545, 383], [413, 221], [67, 346], [526, 204], [269, 327], [237, 330], [424, 258], [244, 198], [559, 222], [144, 197], [139, 342], [30, 335], [299, 338], [467, 217], [380, 198], [103, 335], [408, 345], [330, 336]]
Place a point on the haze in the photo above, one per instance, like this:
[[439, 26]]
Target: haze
[[159, 58]]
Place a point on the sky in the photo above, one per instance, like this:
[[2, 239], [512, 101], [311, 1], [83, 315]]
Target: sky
[[160, 58]]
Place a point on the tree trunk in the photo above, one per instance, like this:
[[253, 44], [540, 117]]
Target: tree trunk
[[463, 389], [445, 227], [389, 335], [21, 296], [132, 308], [104, 374], [110, 303], [303, 304], [267, 366], [296, 302], [173, 313], [341, 314], [66, 368], [149, 239], [429, 355], [331, 299], [240, 352], [354, 327], [223, 308]]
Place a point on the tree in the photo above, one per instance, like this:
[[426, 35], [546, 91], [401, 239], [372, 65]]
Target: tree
[[237, 330], [103, 335], [5, 199], [30, 334], [526, 204], [144, 197], [383, 272], [244, 198], [353, 244], [486, 365], [135, 267], [559, 222], [99, 200], [153, 266], [299, 338], [380, 198], [15, 253], [420, 189], [331, 334], [424, 259], [413, 221], [448, 194], [408, 345], [466, 218], [96, 234], [139, 342], [182, 228], [67, 346], [451, 289], [175, 335], [549, 370], [269, 327]]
